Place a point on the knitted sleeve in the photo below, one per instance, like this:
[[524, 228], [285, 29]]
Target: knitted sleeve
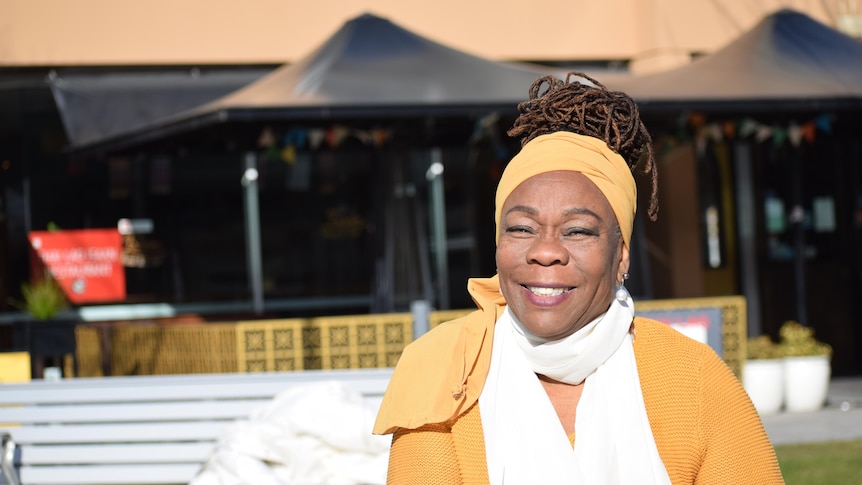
[[736, 446], [705, 427], [425, 455]]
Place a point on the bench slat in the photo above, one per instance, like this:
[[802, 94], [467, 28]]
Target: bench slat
[[200, 410], [121, 394], [195, 453], [160, 388], [164, 474], [104, 395], [133, 432]]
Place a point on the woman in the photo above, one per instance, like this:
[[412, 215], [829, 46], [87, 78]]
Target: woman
[[553, 379]]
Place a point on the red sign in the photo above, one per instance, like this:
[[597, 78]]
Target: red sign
[[86, 263]]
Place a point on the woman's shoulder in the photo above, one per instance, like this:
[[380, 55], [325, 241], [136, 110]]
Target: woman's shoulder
[[435, 377], [654, 336], [664, 353], [446, 349], [667, 359]]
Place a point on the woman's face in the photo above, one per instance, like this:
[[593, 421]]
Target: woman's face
[[560, 253]]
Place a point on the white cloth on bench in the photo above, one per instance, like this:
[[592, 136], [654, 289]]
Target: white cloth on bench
[[308, 434]]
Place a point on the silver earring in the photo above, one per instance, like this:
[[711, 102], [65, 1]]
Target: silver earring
[[622, 294]]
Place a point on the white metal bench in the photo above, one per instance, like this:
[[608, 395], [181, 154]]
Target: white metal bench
[[140, 429]]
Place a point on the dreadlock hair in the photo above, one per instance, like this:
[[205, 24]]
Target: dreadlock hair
[[611, 116]]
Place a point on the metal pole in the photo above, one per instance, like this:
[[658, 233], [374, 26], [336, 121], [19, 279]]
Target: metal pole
[[434, 175], [797, 218], [421, 311], [252, 232], [746, 229]]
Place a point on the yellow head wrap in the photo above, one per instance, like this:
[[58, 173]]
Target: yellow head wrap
[[585, 154]]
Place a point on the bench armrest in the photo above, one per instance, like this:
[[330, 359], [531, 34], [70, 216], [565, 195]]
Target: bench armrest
[[7, 457]]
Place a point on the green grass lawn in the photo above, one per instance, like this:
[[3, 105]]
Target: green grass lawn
[[832, 463]]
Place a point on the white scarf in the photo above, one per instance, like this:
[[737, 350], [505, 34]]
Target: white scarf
[[524, 440]]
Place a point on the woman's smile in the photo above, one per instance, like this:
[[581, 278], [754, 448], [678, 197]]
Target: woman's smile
[[537, 290], [545, 296]]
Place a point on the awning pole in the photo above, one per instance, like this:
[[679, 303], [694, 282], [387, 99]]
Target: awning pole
[[434, 175], [797, 219], [252, 232], [746, 230]]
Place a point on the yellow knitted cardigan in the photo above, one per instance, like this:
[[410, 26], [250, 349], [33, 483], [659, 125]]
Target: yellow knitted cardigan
[[705, 427]]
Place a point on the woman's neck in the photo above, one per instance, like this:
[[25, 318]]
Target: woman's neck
[[564, 397]]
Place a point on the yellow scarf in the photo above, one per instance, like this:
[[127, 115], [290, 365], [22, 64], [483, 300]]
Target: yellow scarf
[[424, 391]]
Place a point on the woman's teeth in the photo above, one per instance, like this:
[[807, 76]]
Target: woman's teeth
[[547, 291]]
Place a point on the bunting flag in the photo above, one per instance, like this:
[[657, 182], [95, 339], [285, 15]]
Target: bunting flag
[[705, 131], [286, 146], [266, 138]]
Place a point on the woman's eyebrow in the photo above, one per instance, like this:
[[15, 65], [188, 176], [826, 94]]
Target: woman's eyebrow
[[581, 211], [523, 208], [573, 211]]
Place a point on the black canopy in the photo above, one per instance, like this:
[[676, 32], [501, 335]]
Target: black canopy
[[368, 68], [98, 105], [787, 61]]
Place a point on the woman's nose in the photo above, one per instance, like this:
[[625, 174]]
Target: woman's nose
[[547, 251]]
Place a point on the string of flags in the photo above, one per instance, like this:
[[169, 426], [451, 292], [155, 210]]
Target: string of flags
[[749, 128], [294, 139], [284, 147]]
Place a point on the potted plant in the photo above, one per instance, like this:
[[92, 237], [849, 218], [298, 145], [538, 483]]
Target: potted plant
[[763, 375], [807, 367], [43, 299], [47, 337]]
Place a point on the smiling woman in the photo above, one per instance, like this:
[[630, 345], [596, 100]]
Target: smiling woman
[[559, 253], [553, 379]]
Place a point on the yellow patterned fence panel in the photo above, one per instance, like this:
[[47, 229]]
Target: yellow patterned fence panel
[[89, 351], [270, 345], [159, 349], [356, 341]]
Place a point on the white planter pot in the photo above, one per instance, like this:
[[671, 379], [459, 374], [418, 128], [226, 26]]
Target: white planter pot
[[806, 380], [763, 380]]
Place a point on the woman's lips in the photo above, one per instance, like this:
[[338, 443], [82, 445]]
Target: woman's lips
[[546, 296]]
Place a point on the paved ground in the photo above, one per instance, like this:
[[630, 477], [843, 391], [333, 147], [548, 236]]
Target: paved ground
[[840, 418]]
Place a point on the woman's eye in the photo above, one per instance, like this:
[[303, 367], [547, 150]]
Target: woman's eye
[[580, 231], [519, 230]]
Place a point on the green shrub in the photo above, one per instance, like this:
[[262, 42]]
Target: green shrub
[[797, 340], [762, 347]]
